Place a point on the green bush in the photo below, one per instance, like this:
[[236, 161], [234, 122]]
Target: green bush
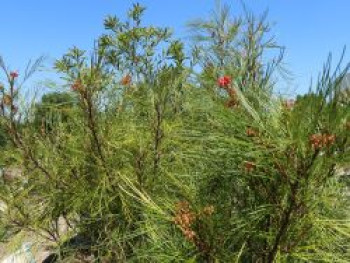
[[148, 154]]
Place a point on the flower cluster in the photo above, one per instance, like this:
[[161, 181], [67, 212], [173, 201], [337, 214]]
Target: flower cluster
[[249, 166], [14, 74], [320, 140], [126, 80], [251, 132], [8, 101], [77, 86], [8, 98], [185, 219], [225, 83]]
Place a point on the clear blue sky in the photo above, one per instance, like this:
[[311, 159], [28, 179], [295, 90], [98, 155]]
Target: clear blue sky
[[308, 29]]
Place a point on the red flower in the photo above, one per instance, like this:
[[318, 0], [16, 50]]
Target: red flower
[[251, 132], [184, 218], [14, 74], [189, 234], [318, 141], [224, 81], [76, 86], [330, 139], [126, 80], [249, 166]]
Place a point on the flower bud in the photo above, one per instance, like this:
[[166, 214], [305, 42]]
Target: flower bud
[[224, 81], [14, 74], [126, 80], [249, 166]]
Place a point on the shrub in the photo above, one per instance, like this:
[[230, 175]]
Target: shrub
[[145, 159]]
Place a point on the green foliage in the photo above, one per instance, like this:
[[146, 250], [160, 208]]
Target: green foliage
[[238, 47], [147, 160], [53, 109]]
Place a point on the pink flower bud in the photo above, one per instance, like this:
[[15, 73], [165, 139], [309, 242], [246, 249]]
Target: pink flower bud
[[14, 74]]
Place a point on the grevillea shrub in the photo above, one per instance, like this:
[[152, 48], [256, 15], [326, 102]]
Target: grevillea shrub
[[144, 159]]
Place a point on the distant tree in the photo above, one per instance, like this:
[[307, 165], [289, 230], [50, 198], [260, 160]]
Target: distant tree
[[54, 108]]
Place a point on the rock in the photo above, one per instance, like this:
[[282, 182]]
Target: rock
[[23, 255], [11, 174]]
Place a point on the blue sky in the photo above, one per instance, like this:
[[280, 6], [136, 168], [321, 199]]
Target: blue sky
[[308, 29]]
